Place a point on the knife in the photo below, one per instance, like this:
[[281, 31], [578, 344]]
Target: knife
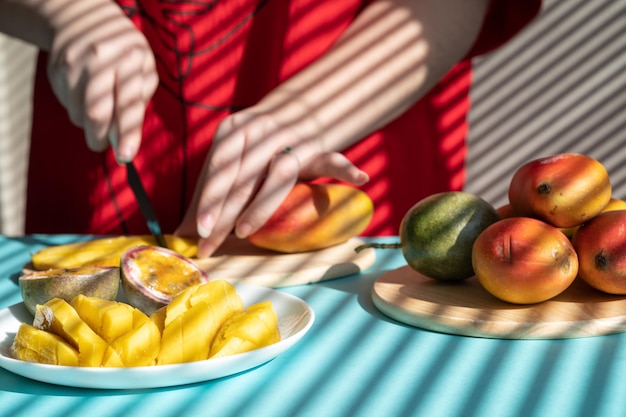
[[132, 176], [144, 204]]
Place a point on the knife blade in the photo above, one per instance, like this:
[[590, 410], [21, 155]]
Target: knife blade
[[144, 204]]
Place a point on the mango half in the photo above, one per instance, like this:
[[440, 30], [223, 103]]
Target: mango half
[[315, 216], [104, 251]]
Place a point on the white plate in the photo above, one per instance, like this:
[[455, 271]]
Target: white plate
[[295, 318]]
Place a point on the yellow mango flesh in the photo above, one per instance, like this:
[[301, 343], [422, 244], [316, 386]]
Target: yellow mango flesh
[[59, 317], [206, 320], [104, 251], [216, 292], [315, 216], [35, 345], [193, 318], [255, 328], [129, 332], [140, 346], [109, 319]]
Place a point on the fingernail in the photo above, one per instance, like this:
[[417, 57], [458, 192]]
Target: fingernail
[[124, 154], [243, 230], [205, 249], [205, 225]]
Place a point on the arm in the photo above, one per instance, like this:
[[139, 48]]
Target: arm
[[101, 67], [391, 55]]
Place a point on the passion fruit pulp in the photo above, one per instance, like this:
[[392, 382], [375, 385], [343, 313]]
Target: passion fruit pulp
[[152, 276], [38, 287]]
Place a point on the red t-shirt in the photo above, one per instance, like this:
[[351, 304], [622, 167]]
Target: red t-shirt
[[215, 58]]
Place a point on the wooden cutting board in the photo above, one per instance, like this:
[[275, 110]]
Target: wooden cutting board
[[239, 261], [466, 308]]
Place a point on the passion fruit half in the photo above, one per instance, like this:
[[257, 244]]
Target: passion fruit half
[[152, 276], [38, 287]]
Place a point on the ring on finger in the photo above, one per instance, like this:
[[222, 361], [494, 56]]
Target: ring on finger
[[288, 151], [285, 151]]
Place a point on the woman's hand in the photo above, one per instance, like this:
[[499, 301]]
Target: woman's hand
[[103, 71], [253, 163]]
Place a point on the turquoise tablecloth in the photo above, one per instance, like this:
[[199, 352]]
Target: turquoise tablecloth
[[355, 362]]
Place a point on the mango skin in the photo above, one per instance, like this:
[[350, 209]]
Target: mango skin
[[564, 190], [315, 216], [522, 260], [601, 247]]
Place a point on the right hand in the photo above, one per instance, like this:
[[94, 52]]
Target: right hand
[[103, 71]]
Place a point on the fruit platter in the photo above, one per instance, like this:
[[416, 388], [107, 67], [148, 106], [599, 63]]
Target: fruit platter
[[294, 319], [121, 312]]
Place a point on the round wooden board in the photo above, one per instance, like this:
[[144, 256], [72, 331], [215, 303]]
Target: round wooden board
[[466, 308], [239, 261]]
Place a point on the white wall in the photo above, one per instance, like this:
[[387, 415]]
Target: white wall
[[558, 87], [16, 71]]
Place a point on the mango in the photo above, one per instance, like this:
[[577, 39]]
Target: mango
[[59, 317], [601, 247], [35, 345], [245, 331], [564, 190], [315, 216], [128, 331], [96, 332], [217, 292], [109, 319], [524, 261], [193, 318], [140, 346], [104, 251]]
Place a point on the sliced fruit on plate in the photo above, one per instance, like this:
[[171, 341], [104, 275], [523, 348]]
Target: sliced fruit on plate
[[245, 331], [217, 293], [59, 317], [35, 345], [192, 320], [139, 346], [110, 319], [131, 334], [104, 251]]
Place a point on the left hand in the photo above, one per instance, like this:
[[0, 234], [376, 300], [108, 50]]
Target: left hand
[[252, 166]]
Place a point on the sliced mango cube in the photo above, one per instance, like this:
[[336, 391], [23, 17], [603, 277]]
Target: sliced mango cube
[[216, 292], [130, 333], [255, 328], [141, 345], [35, 345], [193, 318], [110, 319], [59, 317]]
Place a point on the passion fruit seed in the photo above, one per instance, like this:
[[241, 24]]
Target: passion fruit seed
[[152, 276]]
